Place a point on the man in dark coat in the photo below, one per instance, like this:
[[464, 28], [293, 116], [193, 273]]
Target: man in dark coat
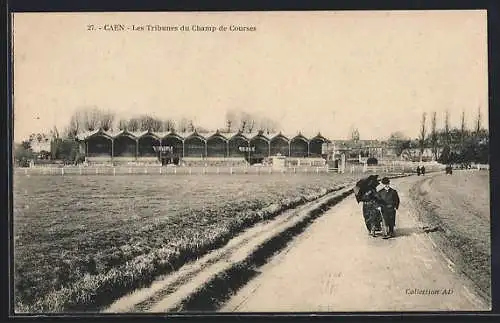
[[390, 203]]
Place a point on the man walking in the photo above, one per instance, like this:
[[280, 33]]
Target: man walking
[[390, 203]]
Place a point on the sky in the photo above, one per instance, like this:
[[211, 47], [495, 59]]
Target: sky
[[312, 72]]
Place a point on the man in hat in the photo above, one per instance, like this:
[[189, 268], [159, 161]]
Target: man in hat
[[390, 203]]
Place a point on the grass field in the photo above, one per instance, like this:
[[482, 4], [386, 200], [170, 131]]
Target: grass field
[[81, 241], [460, 205]]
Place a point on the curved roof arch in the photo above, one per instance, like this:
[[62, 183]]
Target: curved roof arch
[[173, 134], [216, 135], [320, 137], [195, 135], [99, 133], [279, 136], [299, 136]]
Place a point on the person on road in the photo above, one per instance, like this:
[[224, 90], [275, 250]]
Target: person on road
[[422, 170], [418, 170], [390, 203], [366, 192]]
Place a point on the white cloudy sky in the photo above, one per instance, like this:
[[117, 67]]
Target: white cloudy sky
[[312, 71]]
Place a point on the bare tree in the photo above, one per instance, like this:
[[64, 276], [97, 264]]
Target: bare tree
[[267, 125], [122, 124], [151, 123], [106, 120], [182, 125], [434, 136], [447, 128], [91, 118], [245, 119], [134, 124], [168, 125], [423, 134], [231, 119], [463, 130], [251, 125], [478, 121], [190, 126]]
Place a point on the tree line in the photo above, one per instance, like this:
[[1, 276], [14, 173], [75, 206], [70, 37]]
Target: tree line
[[449, 144]]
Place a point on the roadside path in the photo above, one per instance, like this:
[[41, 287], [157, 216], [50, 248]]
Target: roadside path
[[336, 266]]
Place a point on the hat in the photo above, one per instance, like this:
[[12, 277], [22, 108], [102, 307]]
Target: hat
[[385, 180]]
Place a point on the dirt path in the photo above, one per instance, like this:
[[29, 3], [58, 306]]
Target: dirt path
[[336, 266]]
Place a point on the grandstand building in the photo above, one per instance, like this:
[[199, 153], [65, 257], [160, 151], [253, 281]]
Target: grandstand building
[[172, 147]]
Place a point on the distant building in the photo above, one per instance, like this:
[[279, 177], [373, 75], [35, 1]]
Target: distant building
[[105, 146]]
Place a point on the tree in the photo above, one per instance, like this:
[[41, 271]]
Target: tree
[[434, 137], [134, 124], [168, 125], [106, 120], [446, 132], [478, 121], [122, 124], [151, 123], [23, 153], [267, 125], [231, 119], [423, 134], [182, 125]]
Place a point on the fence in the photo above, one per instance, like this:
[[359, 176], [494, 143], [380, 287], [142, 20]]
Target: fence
[[158, 170], [405, 168]]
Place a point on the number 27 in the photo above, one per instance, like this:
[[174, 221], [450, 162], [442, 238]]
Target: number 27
[[90, 27]]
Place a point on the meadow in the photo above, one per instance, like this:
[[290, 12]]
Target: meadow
[[81, 241], [459, 205]]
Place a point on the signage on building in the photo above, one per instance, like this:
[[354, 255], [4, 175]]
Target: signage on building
[[163, 148], [247, 149]]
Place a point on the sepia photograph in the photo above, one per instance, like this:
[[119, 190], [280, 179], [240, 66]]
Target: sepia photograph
[[250, 162]]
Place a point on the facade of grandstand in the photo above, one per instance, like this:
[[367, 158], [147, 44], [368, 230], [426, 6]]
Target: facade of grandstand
[[148, 145]]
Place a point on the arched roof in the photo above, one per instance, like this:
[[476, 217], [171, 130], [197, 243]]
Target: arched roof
[[320, 137], [99, 133], [125, 133], [216, 134], [195, 135], [258, 135], [204, 136], [172, 134], [299, 136], [277, 136]]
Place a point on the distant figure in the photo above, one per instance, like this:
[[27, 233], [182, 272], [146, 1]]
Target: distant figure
[[422, 169], [418, 170], [390, 199], [448, 170], [366, 192]]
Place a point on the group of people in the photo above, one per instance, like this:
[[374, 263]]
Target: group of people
[[379, 206], [420, 170]]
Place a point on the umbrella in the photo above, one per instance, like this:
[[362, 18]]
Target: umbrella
[[363, 185]]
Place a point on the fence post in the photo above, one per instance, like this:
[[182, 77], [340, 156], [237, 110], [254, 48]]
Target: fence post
[[62, 171], [218, 170], [175, 170], [189, 170], [204, 170], [96, 170], [25, 171], [145, 170], [230, 170], [80, 171], [317, 170], [160, 170]]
